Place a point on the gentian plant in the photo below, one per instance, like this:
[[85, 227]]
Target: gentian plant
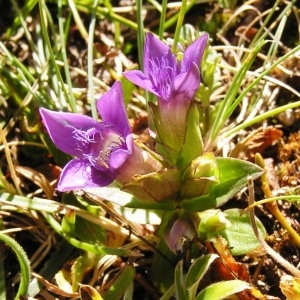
[[180, 179], [180, 173]]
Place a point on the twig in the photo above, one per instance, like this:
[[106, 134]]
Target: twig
[[277, 257], [272, 206]]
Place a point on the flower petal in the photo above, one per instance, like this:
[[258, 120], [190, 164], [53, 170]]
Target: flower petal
[[185, 85], [119, 156], [154, 48], [140, 79], [61, 127], [193, 54], [112, 109], [79, 174]]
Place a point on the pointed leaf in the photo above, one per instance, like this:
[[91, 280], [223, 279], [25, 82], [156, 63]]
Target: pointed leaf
[[121, 284], [181, 291], [68, 221], [240, 236], [222, 290], [196, 273]]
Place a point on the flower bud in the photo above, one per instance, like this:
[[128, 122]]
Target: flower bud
[[200, 176], [211, 222], [181, 228]]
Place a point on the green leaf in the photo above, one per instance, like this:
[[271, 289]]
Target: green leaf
[[180, 288], [77, 270], [23, 261], [2, 281], [233, 177], [121, 284], [196, 273], [240, 236], [96, 234], [222, 290]]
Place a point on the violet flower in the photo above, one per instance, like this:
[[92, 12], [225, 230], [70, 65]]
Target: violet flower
[[173, 82], [99, 148]]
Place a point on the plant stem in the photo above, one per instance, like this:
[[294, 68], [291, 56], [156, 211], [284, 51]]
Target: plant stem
[[179, 24], [63, 36], [140, 33], [277, 257], [272, 206], [162, 19]]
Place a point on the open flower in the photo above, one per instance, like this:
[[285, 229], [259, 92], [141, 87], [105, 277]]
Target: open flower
[[173, 82], [164, 76], [99, 148]]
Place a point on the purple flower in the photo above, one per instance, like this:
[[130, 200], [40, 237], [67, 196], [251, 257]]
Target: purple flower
[[164, 76], [173, 82], [99, 148]]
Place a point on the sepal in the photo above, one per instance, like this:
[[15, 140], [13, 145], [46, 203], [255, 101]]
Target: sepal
[[154, 187]]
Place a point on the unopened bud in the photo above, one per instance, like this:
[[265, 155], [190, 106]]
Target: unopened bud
[[182, 229], [200, 176], [211, 222]]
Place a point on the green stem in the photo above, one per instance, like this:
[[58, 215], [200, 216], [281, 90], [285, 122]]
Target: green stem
[[179, 24], [78, 20], [230, 101], [23, 261], [140, 33], [171, 21], [262, 117], [43, 11], [262, 32], [63, 35], [162, 19]]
